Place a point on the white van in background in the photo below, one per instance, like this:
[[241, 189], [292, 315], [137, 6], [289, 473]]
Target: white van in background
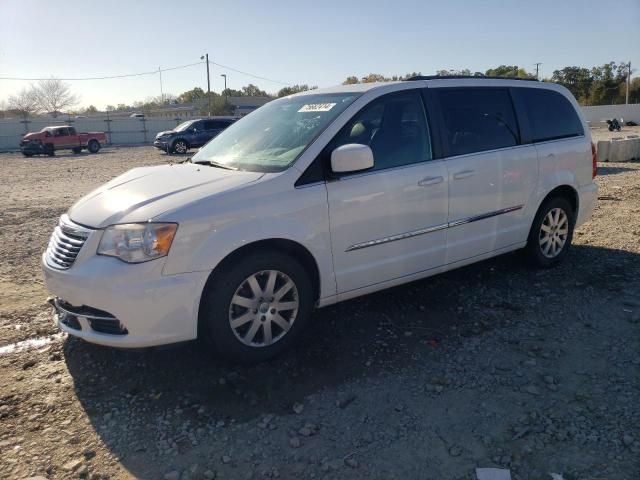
[[317, 198]]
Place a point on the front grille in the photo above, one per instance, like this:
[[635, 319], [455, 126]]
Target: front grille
[[65, 244]]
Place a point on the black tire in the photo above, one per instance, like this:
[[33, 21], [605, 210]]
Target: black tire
[[93, 146], [216, 307], [27, 154], [77, 149], [535, 251], [179, 146], [49, 150]]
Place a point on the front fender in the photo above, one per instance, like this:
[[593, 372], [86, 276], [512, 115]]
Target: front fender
[[298, 215]]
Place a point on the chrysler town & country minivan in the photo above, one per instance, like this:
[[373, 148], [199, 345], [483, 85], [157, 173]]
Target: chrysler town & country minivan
[[317, 198]]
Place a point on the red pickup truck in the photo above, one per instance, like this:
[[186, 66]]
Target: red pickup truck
[[50, 139]]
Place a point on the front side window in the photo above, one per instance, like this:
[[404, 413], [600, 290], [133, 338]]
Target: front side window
[[551, 115], [477, 120], [62, 132], [271, 138], [394, 127]]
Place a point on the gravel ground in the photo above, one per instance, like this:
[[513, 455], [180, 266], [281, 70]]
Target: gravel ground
[[492, 365]]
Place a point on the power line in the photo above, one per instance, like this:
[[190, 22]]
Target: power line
[[249, 74], [140, 74], [108, 77]]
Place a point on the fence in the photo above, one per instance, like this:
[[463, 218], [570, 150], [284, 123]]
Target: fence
[[140, 131], [601, 113], [119, 130]]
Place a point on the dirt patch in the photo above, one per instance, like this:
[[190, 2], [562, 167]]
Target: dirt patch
[[493, 365]]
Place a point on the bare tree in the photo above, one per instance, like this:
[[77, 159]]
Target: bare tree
[[25, 103], [54, 95]]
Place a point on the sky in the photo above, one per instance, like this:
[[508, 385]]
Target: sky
[[292, 42]]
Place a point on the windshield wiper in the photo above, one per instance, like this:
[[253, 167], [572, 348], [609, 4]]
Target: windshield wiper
[[218, 165]]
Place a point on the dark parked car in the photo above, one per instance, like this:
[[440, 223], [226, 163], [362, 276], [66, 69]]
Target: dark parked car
[[191, 134]]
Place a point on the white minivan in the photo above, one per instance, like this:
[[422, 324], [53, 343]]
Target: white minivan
[[317, 198]]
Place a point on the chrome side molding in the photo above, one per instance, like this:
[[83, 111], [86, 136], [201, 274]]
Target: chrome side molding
[[435, 228]]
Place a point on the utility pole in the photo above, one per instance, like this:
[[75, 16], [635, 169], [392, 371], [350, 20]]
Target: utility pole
[[161, 93], [225, 87], [206, 55], [628, 82], [537, 70]]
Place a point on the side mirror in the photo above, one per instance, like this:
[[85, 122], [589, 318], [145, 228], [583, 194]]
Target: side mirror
[[352, 157], [47, 134]]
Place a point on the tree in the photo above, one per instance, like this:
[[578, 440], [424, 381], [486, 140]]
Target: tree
[[283, 92], [252, 91], [54, 95], [376, 77], [24, 103], [448, 73], [109, 108], [190, 95], [508, 71], [91, 109]]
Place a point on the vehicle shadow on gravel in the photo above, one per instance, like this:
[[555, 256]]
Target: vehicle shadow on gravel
[[611, 170], [367, 337]]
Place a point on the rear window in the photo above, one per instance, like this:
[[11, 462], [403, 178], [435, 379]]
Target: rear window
[[551, 115], [477, 120]]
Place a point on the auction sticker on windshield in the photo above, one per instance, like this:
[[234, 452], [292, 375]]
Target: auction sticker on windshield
[[317, 107]]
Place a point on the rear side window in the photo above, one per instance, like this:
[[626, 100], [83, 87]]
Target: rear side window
[[551, 115], [477, 120]]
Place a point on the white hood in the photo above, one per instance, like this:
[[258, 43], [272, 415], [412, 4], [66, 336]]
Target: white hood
[[141, 194]]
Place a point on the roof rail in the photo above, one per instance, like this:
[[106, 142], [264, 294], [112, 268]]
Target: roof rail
[[449, 77]]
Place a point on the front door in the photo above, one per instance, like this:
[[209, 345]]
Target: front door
[[388, 222]]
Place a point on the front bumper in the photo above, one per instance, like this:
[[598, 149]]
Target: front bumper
[[124, 305], [32, 148], [162, 144]]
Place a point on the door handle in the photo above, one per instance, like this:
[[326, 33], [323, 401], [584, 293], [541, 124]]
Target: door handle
[[425, 182], [464, 174]]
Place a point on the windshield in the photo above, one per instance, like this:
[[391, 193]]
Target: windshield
[[271, 138], [183, 126]]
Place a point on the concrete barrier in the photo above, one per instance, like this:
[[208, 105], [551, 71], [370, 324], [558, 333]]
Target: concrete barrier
[[618, 149]]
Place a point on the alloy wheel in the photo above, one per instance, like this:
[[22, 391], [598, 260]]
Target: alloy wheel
[[263, 308], [553, 232], [180, 147]]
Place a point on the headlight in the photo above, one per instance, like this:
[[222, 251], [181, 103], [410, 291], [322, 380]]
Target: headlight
[[137, 242]]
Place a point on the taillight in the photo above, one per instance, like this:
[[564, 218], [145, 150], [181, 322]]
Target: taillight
[[594, 162]]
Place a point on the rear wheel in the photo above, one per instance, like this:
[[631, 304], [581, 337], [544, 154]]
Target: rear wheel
[[93, 146], [551, 233], [256, 308], [27, 154]]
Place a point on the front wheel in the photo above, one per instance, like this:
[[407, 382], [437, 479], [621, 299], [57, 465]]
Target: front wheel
[[77, 150], [179, 146], [256, 308], [49, 150], [551, 233]]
